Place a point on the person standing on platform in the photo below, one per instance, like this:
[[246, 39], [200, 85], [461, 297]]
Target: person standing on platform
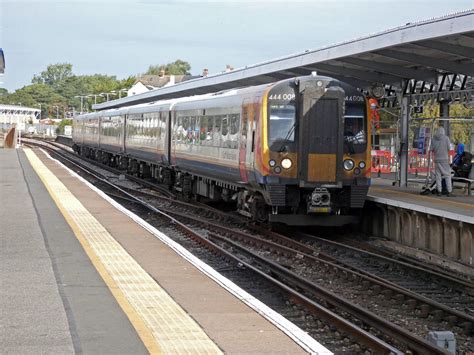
[[440, 147]]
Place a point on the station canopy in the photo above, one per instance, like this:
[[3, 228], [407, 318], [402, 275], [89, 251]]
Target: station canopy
[[434, 56]]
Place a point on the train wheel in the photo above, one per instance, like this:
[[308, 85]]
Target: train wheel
[[258, 209], [187, 187]]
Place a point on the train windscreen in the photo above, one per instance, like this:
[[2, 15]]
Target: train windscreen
[[355, 130], [281, 116], [282, 121]]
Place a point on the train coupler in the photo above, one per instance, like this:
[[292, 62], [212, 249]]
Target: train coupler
[[319, 201]]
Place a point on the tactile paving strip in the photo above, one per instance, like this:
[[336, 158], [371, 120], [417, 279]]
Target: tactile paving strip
[[172, 328]]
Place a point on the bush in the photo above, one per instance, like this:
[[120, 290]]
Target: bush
[[65, 122]]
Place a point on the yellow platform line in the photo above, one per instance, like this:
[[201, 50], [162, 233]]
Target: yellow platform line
[[162, 325]]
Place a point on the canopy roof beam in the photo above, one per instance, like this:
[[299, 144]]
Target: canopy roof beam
[[448, 47], [370, 76], [448, 66], [402, 72]]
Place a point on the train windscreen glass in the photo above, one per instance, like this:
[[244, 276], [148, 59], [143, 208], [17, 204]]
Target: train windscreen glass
[[282, 121], [355, 131], [281, 116]]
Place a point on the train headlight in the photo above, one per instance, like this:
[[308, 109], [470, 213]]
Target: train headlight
[[277, 170], [362, 164], [356, 171], [272, 163], [349, 164], [286, 163]]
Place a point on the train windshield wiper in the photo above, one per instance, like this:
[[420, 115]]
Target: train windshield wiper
[[287, 138]]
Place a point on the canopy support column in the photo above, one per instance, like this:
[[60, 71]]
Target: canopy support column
[[404, 122], [444, 113]]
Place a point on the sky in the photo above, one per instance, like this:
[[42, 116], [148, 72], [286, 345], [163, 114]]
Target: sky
[[125, 37]]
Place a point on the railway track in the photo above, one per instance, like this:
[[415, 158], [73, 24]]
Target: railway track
[[294, 268], [330, 326], [455, 292]]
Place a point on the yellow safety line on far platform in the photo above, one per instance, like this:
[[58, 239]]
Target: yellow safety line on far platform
[[163, 326], [421, 197]]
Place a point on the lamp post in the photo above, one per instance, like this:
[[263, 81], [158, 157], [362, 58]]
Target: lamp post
[[57, 112], [107, 94], [82, 101], [95, 97], [40, 111], [120, 92]]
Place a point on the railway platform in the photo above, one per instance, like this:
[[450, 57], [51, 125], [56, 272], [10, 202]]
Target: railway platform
[[81, 276], [441, 226]]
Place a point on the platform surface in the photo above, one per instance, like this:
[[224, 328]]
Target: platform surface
[[459, 207], [43, 259], [52, 300]]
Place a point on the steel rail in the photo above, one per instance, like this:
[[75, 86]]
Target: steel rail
[[149, 184], [462, 283], [412, 341], [464, 320]]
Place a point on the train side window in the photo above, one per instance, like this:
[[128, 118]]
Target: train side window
[[216, 135], [162, 125], [225, 132], [203, 130], [234, 130], [179, 129], [194, 130], [159, 126], [154, 126], [174, 134], [146, 128], [186, 129], [210, 130]]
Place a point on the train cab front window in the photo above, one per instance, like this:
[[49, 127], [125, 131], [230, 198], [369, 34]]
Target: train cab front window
[[282, 123], [355, 130]]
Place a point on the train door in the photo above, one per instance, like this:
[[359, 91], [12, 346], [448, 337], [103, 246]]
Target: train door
[[246, 108], [100, 120], [320, 147], [169, 134], [247, 140]]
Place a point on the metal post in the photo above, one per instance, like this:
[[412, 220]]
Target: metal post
[[444, 113], [18, 125], [404, 122]]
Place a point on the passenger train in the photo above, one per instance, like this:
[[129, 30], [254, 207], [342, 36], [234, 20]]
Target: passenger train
[[295, 151]]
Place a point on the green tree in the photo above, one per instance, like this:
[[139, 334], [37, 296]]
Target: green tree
[[460, 130], [178, 67], [58, 86], [35, 95], [54, 74]]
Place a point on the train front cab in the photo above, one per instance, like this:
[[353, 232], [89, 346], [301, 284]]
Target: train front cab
[[303, 166], [357, 145]]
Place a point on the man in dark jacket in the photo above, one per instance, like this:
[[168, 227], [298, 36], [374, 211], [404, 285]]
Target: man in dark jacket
[[463, 169]]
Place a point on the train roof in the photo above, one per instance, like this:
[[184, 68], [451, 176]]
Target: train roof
[[229, 97]]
